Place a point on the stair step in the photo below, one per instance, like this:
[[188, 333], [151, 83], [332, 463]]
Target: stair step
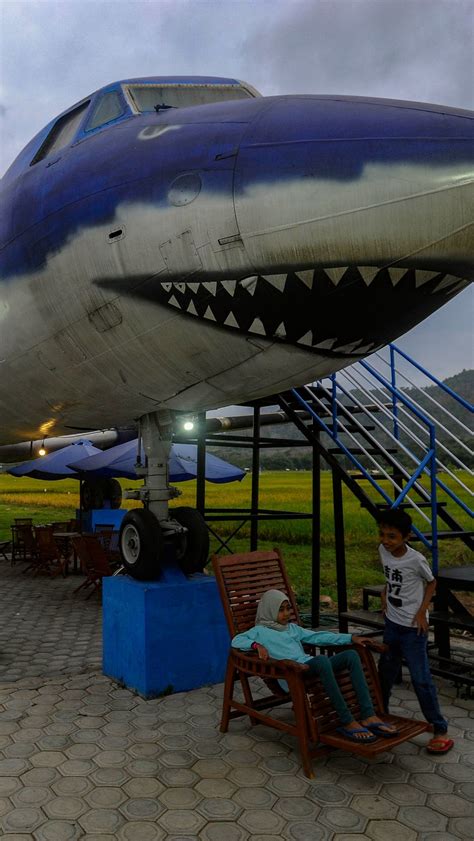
[[384, 507], [451, 669], [355, 451], [446, 535], [370, 618], [463, 621]]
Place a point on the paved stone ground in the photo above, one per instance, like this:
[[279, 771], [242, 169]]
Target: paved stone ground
[[83, 758]]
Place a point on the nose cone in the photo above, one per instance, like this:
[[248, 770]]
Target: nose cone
[[338, 182], [365, 210]]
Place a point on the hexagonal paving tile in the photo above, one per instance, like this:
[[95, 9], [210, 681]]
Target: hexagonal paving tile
[[102, 820], [135, 831], [340, 819], [249, 777], [422, 818], [23, 819], [35, 796], [181, 822], [451, 805], [374, 807], [382, 830], [404, 794], [58, 831], [261, 820], [216, 831], [142, 809], [219, 809], [180, 798], [65, 808], [106, 797], [325, 793]]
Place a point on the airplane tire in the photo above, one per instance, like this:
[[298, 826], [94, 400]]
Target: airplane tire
[[141, 545], [92, 494], [113, 492], [193, 554]]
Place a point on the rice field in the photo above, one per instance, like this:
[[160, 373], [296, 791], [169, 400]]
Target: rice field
[[284, 491]]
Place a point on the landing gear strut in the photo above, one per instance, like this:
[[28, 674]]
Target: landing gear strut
[[145, 532]]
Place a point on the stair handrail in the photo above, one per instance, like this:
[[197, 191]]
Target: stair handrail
[[429, 397], [421, 443], [395, 349], [412, 478], [433, 544]]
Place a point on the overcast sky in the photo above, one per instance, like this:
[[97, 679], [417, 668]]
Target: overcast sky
[[54, 53]]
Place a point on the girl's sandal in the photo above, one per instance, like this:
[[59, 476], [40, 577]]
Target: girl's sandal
[[439, 744]]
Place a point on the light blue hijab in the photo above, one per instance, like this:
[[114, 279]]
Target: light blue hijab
[[267, 610]]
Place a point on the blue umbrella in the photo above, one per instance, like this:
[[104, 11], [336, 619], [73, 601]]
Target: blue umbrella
[[56, 465], [120, 461]]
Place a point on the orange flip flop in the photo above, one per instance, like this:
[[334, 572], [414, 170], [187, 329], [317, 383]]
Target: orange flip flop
[[439, 744]]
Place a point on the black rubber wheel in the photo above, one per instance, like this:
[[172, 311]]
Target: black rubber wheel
[[113, 492], [141, 545], [193, 551], [92, 494]]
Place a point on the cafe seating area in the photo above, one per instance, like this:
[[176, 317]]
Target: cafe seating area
[[60, 549]]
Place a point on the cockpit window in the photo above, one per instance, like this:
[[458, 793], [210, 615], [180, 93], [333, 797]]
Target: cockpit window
[[161, 97], [108, 108], [62, 133]]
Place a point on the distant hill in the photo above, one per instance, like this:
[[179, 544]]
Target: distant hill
[[295, 457]]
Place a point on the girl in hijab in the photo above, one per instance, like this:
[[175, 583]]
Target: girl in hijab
[[275, 636]]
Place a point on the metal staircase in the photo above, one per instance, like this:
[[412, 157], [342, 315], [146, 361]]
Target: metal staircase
[[399, 444], [383, 424]]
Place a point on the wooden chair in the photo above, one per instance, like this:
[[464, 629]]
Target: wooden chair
[[103, 531], [23, 542], [94, 562], [48, 555], [242, 580]]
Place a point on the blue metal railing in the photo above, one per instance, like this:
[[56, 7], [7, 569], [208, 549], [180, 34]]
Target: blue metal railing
[[398, 409]]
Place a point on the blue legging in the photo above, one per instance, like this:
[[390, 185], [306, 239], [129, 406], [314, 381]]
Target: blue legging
[[324, 668]]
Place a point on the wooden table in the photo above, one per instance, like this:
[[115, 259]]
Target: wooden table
[[64, 540]]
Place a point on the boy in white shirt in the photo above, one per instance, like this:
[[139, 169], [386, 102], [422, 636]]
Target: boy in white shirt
[[408, 592]]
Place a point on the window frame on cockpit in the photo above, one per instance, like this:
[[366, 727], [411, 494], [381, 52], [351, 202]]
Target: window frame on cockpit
[[127, 88], [124, 114], [49, 144]]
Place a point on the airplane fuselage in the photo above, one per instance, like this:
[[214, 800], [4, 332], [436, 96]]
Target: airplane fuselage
[[197, 256]]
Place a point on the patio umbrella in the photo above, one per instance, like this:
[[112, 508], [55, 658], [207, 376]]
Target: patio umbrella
[[120, 461], [56, 465]]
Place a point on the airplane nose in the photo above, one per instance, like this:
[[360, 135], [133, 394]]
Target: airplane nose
[[333, 182], [355, 219]]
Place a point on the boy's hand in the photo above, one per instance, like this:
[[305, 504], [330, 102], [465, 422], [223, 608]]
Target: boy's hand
[[421, 622], [262, 652]]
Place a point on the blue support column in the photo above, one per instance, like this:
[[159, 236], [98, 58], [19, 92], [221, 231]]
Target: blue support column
[[164, 636]]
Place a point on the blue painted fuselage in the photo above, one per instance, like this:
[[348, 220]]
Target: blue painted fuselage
[[195, 256]]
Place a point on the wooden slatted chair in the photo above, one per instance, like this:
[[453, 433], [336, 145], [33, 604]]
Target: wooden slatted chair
[[94, 562], [242, 580]]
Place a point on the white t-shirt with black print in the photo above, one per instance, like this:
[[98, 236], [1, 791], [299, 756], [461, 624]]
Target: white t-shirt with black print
[[406, 578]]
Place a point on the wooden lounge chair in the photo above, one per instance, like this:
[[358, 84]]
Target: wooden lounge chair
[[242, 580], [94, 562]]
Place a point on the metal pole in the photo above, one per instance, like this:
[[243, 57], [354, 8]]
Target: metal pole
[[254, 506], [340, 548], [201, 464], [316, 536]]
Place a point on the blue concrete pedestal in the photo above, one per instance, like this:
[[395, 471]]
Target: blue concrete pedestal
[[166, 635], [109, 516]]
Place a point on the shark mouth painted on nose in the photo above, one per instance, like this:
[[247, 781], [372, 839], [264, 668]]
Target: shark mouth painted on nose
[[341, 311]]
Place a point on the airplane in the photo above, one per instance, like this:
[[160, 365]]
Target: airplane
[[176, 244]]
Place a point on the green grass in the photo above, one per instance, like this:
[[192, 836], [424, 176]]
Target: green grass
[[290, 491]]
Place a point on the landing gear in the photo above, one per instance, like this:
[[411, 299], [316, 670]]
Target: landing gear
[[193, 546], [144, 532], [141, 544]]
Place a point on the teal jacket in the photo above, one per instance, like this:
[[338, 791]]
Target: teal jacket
[[286, 645]]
